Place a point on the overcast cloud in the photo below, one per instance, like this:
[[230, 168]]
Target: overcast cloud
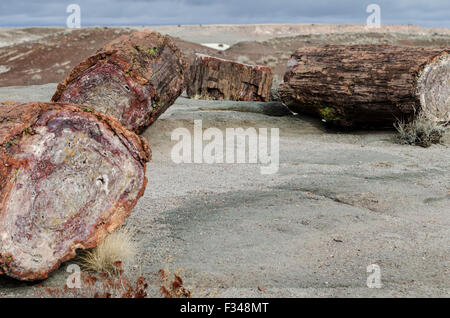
[[431, 13]]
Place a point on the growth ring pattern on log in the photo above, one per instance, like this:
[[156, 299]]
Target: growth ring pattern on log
[[68, 177]]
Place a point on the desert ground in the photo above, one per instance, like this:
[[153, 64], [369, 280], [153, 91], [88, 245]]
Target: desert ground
[[340, 201]]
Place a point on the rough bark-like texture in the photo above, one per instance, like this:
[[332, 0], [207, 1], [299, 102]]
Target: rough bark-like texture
[[368, 85], [215, 78], [67, 178], [135, 78]]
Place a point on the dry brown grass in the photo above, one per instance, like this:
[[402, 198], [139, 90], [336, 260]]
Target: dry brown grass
[[422, 131], [100, 286], [116, 247], [172, 285]]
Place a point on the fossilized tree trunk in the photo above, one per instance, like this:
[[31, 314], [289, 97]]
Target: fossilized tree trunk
[[135, 78], [67, 178], [215, 78], [368, 85]]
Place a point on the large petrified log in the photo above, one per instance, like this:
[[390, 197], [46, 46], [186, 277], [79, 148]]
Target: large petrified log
[[135, 78], [67, 178], [368, 85], [215, 78]]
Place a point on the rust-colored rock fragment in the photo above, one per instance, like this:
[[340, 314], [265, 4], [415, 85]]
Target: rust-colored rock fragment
[[368, 85], [215, 78], [134, 78], [67, 178]]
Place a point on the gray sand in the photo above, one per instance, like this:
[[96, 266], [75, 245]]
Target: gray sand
[[339, 202]]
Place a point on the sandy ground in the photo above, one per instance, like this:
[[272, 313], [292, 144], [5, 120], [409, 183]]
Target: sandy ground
[[338, 203]]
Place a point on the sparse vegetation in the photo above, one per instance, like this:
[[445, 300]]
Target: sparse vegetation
[[11, 142], [152, 51], [118, 246], [119, 286], [198, 97], [27, 131], [243, 59], [172, 285], [104, 286], [270, 61], [328, 114], [422, 131]]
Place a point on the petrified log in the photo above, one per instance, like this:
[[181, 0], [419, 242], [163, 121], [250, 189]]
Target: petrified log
[[135, 78], [368, 85], [67, 178], [215, 78]]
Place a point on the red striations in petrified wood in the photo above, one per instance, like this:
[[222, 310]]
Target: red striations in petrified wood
[[135, 78], [67, 178], [215, 78], [368, 85]]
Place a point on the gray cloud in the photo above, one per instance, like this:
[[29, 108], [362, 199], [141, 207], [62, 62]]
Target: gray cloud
[[431, 13]]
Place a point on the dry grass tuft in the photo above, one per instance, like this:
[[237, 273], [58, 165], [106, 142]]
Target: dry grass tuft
[[119, 246], [422, 131]]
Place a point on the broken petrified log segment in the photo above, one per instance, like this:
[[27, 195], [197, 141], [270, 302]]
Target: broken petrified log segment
[[215, 78], [134, 78], [67, 178], [368, 85]]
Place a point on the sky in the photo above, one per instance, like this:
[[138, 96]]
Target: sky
[[426, 13]]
